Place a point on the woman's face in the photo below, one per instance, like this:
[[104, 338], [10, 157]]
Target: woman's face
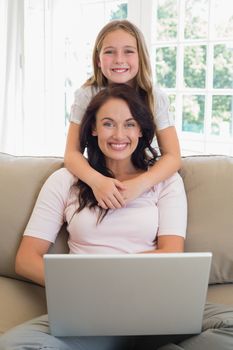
[[116, 129]]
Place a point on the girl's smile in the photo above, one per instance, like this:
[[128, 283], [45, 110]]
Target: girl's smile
[[120, 70]]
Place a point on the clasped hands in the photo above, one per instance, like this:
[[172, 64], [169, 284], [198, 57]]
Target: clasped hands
[[111, 193]]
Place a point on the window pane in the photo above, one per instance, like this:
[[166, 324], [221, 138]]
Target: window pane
[[223, 66], [195, 66], [223, 18], [196, 19], [166, 67], [222, 116], [193, 113], [166, 19], [98, 13], [117, 9], [80, 42]]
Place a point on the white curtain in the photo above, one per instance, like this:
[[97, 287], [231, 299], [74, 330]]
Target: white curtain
[[11, 75]]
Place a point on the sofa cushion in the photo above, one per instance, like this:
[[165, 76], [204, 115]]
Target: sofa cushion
[[220, 293], [209, 187], [21, 181], [19, 301]]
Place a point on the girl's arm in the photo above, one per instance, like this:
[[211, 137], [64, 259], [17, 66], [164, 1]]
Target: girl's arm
[[105, 189], [29, 261], [167, 165]]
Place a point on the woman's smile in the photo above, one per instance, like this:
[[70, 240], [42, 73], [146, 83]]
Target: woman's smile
[[118, 146]]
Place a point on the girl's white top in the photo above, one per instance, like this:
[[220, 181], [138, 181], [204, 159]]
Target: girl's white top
[[83, 96]]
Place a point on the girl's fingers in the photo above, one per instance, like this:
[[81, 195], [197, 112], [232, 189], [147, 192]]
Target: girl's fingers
[[112, 198], [111, 203], [119, 198], [102, 204], [117, 203]]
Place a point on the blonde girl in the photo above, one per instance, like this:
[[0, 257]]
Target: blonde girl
[[120, 55]]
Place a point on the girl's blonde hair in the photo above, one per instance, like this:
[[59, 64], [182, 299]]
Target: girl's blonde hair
[[144, 76]]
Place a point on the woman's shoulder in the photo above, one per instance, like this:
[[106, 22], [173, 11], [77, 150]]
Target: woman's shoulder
[[172, 184], [61, 180]]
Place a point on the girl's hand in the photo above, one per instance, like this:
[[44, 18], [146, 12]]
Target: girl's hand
[[134, 188], [107, 192]]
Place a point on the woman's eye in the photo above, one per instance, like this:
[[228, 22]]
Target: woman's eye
[[130, 125], [108, 124]]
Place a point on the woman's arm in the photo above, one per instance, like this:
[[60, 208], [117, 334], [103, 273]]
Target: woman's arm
[[105, 189], [168, 244], [43, 226], [172, 216], [29, 259]]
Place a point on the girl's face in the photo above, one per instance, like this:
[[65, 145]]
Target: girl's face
[[117, 131], [118, 57]]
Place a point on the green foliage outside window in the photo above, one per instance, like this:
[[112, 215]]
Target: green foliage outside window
[[193, 113], [121, 12], [195, 63], [223, 67], [195, 66], [166, 67]]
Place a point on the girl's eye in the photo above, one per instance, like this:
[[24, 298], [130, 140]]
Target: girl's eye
[[129, 51], [108, 52]]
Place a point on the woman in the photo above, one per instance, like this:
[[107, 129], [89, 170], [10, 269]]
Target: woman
[[117, 131]]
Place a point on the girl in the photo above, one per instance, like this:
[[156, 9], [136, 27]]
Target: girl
[[120, 56]]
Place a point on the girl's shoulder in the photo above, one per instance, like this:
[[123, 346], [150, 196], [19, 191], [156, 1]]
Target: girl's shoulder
[[87, 92], [163, 112], [160, 95]]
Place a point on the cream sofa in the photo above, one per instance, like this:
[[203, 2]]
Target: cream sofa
[[209, 187]]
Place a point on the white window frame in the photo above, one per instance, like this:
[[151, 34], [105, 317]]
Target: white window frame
[[48, 137], [191, 143]]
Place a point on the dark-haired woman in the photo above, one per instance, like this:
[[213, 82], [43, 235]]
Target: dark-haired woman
[[117, 131]]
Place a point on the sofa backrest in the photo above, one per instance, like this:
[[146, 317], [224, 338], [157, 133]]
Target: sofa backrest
[[21, 179], [208, 183]]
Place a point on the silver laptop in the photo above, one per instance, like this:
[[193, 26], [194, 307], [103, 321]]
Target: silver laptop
[[126, 294]]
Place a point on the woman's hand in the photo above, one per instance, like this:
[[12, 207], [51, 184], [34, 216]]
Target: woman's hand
[[108, 192]]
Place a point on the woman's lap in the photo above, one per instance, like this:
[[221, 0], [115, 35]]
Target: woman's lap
[[35, 335], [217, 331], [217, 334]]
